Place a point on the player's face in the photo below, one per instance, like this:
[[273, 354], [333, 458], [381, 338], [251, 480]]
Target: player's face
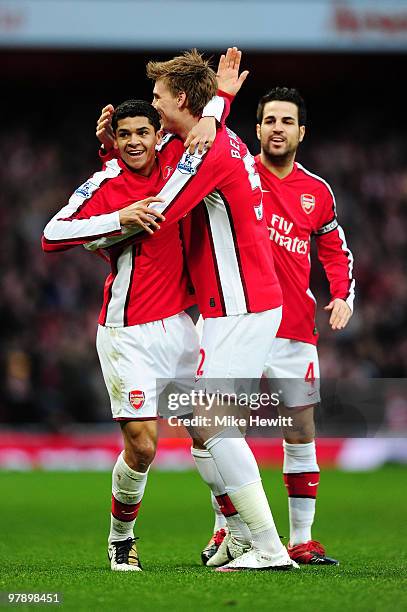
[[136, 139], [279, 132], [167, 105]]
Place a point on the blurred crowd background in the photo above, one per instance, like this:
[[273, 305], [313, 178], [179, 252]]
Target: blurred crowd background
[[49, 304]]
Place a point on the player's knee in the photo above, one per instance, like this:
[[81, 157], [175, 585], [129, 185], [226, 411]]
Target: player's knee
[[301, 429], [297, 439], [303, 433], [141, 451], [141, 455], [198, 443], [200, 436]]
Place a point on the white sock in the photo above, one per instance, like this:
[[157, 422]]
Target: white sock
[[255, 511], [300, 469], [238, 529], [302, 512], [210, 474], [300, 458], [234, 459], [208, 471], [241, 476], [220, 519], [127, 492]]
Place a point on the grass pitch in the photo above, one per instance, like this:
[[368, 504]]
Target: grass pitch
[[54, 529]]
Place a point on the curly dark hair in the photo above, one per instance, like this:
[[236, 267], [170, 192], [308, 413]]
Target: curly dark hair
[[136, 108], [283, 94]]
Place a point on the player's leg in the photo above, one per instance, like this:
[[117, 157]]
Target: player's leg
[[130, 475], [301, 471], [295, 365], [301, 477], [184, 357], [235, 348], [231, 536], [220, 518], [209, 473], [130, 358], [228, 523], [129, 480]]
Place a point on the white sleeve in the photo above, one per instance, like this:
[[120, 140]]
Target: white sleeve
[[104, 242], [64, 225], [61, 227], [214, 108]]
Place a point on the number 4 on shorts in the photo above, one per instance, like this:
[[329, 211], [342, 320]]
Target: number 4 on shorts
[[309, 375]]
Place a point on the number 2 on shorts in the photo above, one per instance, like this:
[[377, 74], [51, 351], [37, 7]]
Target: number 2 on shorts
[[200, 371]]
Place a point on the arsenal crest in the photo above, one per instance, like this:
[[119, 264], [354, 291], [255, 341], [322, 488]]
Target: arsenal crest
[[136, 398], [307, 203], [167, 172]]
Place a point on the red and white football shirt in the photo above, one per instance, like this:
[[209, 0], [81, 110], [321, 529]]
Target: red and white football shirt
[[225, 233], [148, 279], [297, 207]]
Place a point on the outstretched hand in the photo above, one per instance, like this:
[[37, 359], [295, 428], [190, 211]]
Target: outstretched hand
[[228, 76], [104, 132]]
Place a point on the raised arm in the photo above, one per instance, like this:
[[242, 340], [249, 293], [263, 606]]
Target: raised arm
[[229, 79], [104, 132], [229, 83]]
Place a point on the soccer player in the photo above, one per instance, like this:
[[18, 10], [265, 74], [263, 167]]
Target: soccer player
[[299, 206], [144, 333], [231, 266]]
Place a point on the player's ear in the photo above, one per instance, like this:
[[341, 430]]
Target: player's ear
[[181, 99], [302, 132], [258, 131], [159, 136], [115, 145]]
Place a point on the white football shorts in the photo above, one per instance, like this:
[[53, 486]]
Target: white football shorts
[[139, 361], [235, 348], [295, 367]]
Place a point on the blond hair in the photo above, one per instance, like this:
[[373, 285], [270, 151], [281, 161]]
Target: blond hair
[[189, 73]]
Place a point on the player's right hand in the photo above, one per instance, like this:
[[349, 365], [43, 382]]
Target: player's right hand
[[227, 75], [139, 214], [104, 132], [201, 136]]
